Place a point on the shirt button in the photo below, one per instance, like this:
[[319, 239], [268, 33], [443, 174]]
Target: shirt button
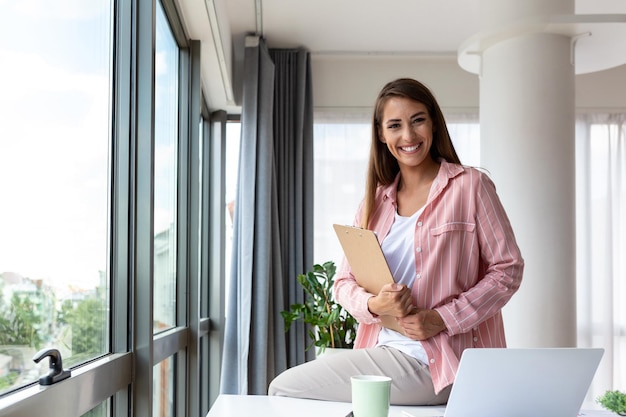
[[418, 276], [418, 250], [419, 224], [432, 361], [475, 339]]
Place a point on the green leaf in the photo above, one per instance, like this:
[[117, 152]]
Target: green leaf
[[330, 325], [613, 401]]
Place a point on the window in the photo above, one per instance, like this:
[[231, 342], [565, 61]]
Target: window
[[163, 389], [233, 139], [54, 165], [108, 173], [601, 243], [165, 173]]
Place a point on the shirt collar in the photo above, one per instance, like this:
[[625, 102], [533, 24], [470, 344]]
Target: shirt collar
[[447, 171]]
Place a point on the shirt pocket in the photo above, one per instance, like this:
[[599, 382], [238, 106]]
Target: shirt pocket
[[453, 227]]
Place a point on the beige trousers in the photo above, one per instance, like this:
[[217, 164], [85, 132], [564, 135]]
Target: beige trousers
[[328, 377]]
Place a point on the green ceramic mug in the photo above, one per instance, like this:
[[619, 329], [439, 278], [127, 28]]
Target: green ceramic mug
[[370, 395]]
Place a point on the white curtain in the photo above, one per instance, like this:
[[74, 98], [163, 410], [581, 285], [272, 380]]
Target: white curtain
[[601, 243]]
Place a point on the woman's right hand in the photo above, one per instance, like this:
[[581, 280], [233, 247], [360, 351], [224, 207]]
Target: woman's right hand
[[392, 300]]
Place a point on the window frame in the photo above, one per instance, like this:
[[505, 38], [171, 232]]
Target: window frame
[[125, 375]]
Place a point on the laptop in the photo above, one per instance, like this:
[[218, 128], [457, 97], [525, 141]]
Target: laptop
[[508, 382]]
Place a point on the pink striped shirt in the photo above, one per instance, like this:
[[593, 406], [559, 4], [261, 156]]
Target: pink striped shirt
[[467, 264]]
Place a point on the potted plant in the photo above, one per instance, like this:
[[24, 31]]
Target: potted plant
[[330, 325], [614, 401]]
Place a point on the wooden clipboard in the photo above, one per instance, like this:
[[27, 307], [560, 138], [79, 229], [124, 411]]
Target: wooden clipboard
[[367, 262]]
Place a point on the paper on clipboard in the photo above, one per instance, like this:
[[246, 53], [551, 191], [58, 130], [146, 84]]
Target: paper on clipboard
[[367, 262]]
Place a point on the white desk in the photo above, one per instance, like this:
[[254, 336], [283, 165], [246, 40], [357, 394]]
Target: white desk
[[262, 406]]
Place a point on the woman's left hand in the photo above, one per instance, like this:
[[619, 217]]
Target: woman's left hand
[[422, 324]]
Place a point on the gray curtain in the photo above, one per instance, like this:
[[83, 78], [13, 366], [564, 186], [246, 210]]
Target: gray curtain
[[273, 222]]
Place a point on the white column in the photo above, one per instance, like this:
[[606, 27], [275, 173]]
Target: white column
[[527, 144], [527, 117]]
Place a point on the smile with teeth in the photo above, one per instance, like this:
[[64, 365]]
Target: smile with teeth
[[411, 148]]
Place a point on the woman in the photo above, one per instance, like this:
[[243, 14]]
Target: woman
[[450, 248]]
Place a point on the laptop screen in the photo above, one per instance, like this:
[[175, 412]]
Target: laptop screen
[[507, 382]]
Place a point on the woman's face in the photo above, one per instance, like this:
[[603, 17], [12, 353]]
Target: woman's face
[[407, 129]]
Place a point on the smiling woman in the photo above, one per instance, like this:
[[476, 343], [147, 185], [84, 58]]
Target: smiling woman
[[441, 227]]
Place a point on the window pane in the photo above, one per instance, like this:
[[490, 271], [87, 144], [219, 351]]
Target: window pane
[[233, 135], [165, 174], [465, 137], [341, 152], [163, 387], [102, 410], [54, 183]]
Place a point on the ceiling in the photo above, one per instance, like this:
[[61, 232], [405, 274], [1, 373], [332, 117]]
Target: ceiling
[[338, 27], [371, 26], [358, 26]]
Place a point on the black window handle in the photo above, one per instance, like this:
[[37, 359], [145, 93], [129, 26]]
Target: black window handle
[[57, 373]]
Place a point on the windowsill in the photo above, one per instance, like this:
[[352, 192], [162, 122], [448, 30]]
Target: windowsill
[[114, 374]]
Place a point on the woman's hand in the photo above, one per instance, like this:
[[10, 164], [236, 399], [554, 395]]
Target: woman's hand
[[422, 324], [392, 300]]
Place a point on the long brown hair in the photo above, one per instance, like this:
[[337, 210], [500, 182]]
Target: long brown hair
[[383, 166]]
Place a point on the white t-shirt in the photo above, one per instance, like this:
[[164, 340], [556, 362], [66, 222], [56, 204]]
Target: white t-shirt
[[398, 250]]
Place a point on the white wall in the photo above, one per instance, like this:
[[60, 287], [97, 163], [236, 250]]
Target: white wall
[[602, 90], [354, 82]]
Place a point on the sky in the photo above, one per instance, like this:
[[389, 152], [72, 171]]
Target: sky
[[54, 139]]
